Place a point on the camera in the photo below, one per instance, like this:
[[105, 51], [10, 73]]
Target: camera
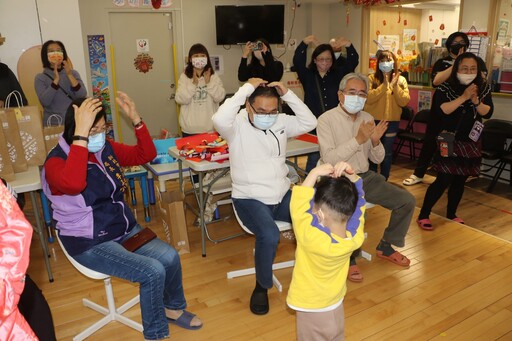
[[256, 46]]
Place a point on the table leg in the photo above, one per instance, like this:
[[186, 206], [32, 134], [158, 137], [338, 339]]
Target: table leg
[[131, 182], [201, 212], [145, 200], [40, 231], [46, 215], [151, 188]]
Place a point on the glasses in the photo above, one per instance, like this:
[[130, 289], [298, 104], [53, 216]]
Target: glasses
[[321, 60], [99, 130], [272, 113], [468, 69], [361, 94]]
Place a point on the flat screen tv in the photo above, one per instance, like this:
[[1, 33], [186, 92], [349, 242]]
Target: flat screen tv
[[240, 24]]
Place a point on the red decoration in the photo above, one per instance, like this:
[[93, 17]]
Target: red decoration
[[377, 32], [156, 3], [441, 27], [405, 22], [384, 22], [436, 42], [430, 18], [143, 62]]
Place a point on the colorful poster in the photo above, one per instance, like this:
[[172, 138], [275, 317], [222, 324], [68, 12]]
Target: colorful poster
[[389, 42], [409, 41], [99, 75], [424, 100], [503, 25]]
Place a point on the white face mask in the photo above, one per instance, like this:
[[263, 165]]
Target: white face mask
[[199, 62], [56, 57], [96, 142], [353, 103], [465, 78], [264, 122], [386, 67]]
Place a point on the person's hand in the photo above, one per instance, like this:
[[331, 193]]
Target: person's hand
[[394, 81], [471, 93], [365, 131], [311, 39], [379, 131], [68, 66], [386, 80], [56, 77], [323, 170], [281, 89], [338, 43], [207, 75], [128, 107], [264, 49], [342, 168], [85, 115], [255, 82], [195, 77], [247, 50]]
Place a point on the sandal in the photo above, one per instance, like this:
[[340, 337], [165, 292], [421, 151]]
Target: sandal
[[425, 224], [354, 275], [184, 321], [458, 220], [396, 258], [412, 180]]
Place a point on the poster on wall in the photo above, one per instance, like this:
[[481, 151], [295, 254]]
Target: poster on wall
[[503, 25], [424, 100], [409, 41], [389, 42], [218, 64], [99, 75]]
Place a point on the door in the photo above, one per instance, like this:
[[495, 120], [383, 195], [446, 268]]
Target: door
[[142, 37]]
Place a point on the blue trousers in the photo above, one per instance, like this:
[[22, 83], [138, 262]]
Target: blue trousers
[[155, 266], [259, 219]]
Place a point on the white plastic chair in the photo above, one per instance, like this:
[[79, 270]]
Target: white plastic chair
[[283, 226], [111, 313]]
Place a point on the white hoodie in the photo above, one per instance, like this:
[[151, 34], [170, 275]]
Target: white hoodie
[[257, 157]]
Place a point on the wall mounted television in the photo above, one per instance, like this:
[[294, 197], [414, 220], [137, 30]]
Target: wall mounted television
[[240, 24]]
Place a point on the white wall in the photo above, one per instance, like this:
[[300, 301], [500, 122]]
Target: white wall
[[430, 30]]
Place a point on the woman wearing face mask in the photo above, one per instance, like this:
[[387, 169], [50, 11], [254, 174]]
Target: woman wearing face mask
[[321, 78], [461, 102], [262, 65], [82, 178], [58, 85], [199, 93], [387, 95]]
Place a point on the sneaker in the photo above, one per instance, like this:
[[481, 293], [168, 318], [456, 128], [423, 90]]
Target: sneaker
[[412, 180]]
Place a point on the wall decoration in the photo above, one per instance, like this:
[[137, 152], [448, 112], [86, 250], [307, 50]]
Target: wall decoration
[[99, 75], [134, 3], [142, 45], [409, 41], [424, 100], [118, 2], [143, 62], [389, 42]]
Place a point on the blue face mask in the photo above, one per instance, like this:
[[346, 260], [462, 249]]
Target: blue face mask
[[264, 122], [386, 67], [96, 142]]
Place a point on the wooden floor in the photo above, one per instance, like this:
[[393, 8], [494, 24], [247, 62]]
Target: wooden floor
[[457, 288]]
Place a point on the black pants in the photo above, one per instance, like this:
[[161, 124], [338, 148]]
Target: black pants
[[428, 149], [455, 185], [35, 309]]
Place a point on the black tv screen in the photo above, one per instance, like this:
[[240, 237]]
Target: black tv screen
[[240, 24]]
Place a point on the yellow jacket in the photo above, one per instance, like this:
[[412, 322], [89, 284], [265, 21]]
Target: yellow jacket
[[386, 104]]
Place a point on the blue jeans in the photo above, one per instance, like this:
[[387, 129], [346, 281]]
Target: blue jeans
[[387, 141], [312, 161], [155, 266], [259, 219]]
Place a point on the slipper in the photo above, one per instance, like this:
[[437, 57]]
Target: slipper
[[458, 220], [354, 275], [412, 180], [259, 302], [184, 321], [396, 257], [425, 224]]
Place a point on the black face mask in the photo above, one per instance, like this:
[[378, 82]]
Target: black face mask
[[454, 49]]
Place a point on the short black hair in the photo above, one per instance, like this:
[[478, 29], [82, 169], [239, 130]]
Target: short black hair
[[479, 80], [69, 120], [264, 91], [451, 38], [338, 194], [44, 52]]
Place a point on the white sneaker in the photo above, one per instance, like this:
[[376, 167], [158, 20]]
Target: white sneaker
[[412, 180]]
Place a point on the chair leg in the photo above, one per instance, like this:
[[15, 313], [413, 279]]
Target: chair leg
[[496, 177], [111, 314]]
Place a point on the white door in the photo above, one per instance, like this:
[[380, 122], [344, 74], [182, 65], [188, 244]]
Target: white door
[[133, 34]]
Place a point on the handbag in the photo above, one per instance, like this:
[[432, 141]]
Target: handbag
[[52, 132], [139, 239]]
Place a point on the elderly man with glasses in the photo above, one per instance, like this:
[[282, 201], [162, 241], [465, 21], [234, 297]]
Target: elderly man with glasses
[[257, 137], [347, 133]]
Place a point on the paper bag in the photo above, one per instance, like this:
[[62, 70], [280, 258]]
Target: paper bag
[[6, 171], [31, 131], [14, 144], [52, 131], [172, 212]]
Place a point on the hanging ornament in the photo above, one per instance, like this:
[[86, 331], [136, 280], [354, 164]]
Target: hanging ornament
[[405, 22], [399, 13], [430, 18], [156, 3], [441, 27], [377, 32], [347, 10], [436, 42], [143, 62], [384, 22]]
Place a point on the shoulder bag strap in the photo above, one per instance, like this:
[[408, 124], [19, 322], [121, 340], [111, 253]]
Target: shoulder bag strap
[[60, 87]]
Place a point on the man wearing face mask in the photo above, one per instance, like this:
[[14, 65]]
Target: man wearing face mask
[[257, 138], [347, 133]]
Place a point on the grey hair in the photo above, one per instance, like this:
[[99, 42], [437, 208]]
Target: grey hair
[[354, 75]]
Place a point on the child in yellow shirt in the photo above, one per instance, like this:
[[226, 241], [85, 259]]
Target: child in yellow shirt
[[328, 221]]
